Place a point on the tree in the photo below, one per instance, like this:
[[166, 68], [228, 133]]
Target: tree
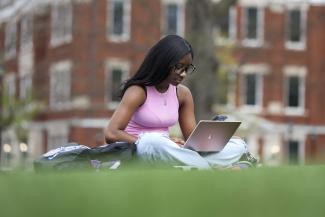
[[200, 35], [208, 85], [15, 113]]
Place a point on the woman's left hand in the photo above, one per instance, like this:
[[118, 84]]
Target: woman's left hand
[[178, 141]]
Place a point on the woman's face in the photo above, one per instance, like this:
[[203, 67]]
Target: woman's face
[[180, 70]]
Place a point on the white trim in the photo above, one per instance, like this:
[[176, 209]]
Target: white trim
[[90, 123], [232, 23], [255, 68], [283, 2], [9, 84], [174, 1], [21, 7], [295, 70], [111, 64], [10, 40], [26, 32], [71, 122], [125, 36], [26, 57], [249, 3]]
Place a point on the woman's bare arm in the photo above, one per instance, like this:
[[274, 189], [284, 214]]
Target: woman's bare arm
[[186, 118], [132, 99]]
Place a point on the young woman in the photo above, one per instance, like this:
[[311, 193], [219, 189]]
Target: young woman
[[154, 100]]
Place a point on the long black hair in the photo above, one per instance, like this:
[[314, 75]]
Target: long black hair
[[158, 62]]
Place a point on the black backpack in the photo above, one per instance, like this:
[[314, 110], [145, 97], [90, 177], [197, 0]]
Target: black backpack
[[74, 156]]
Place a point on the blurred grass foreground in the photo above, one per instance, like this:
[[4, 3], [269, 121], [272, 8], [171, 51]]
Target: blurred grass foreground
[[281, 191]]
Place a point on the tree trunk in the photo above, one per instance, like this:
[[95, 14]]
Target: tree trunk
[[199, 34]]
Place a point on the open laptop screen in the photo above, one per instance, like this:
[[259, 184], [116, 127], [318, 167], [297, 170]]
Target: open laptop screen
[[211, 136]]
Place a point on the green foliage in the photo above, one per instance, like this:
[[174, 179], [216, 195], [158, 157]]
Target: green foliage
[[267, 192], [16, 112]]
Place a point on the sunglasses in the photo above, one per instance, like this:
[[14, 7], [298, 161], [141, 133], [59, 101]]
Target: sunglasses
[[180, 68]]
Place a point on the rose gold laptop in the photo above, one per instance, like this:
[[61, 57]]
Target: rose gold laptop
[[211, 136]]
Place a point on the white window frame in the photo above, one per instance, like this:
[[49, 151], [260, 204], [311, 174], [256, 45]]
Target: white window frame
[[301, 150], [25, 63], [57, 132], [259, 70], [301, 45], [60, 72], [180, 13], [300, 72], [10, 41], [232, 28], [26, 32], [61, 23], [25, 85], [9, 84], [125, 36], [112, 64], [295, 134], [260, 27]]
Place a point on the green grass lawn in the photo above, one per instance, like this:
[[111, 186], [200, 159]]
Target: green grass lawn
[[262, 192]]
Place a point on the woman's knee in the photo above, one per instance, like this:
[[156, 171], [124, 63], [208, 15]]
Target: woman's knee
[[238, 145]]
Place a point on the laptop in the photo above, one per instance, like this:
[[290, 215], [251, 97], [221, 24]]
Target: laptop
[[211, 136]]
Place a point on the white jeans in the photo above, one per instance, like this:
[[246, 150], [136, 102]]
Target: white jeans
[[158, 147]]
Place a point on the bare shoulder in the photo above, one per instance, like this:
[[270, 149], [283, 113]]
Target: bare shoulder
[[183, 93], [134, 94], [182, 90]]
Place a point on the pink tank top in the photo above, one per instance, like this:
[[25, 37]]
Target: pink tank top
[[157, 114]]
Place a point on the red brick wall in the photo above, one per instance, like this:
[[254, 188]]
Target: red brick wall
[[315, 149], [274, 53], [87, 136]]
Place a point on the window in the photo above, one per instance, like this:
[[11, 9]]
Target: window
[[227, 26], [117, 72], [118, 22], [26, 32], [25, 87], [293, 151], [57, 135], [25, 62], [253, 26], [295, 28], [293, 91], [252, 89], [60, 85], [174, 17], [294, 96], [61, 23], [10, 40], [10, 88], [252, 86]]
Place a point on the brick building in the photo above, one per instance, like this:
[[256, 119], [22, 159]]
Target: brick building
[[72, 55], [279, 80]]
